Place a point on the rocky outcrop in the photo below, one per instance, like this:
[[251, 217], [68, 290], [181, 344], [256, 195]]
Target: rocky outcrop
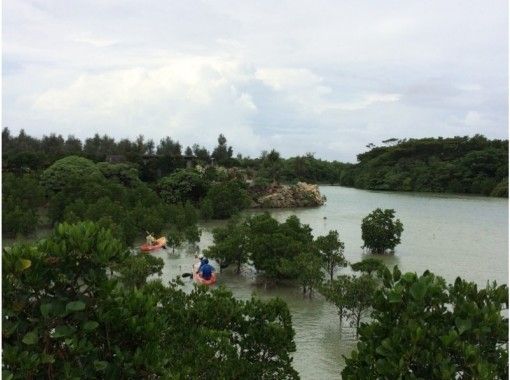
[[288, 196]]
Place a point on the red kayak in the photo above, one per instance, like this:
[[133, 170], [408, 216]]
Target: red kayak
[[160, 243], [200, 280]]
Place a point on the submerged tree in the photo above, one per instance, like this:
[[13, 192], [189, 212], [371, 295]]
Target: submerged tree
[[331, 250], [230, 244], [352, 295], [380, 230], [308, 265], [335, 292], [359, 298]]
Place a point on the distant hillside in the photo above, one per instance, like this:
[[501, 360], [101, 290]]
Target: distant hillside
[[472, 165]]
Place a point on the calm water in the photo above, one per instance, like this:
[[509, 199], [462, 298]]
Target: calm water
[[448, 234], [451, 235]]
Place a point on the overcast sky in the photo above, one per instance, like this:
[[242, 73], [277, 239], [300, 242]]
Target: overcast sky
[[326, 77]]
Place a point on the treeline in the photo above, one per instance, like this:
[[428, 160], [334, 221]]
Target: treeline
[[472, 165], [133, 187], [25, 153]]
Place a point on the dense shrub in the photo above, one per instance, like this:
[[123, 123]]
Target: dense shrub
[[226, 199], [70, 172], [422, 328], [22, 196], [77, 305], [183, 185]]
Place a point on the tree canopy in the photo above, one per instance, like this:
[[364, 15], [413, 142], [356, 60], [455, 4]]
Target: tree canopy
[[453, 165], [380, 230], [422, 328], [64, 316]]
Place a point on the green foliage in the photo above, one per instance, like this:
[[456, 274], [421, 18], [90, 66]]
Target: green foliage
[[183, 185], [69, 172], [501, 189], [222, 154], [352, 295], [335, 291], [380, 230], [182, 224], [21, 197], [230, 244], [226, 199], [76, 305], [279, 250], [331, 250], [169, 147], [17, 220], [134, 270], [308, 270], [459, 164], [275, 246], [369, 266], [125, 174], [424, 328], [454, 165], [359, 298], [117, 200]]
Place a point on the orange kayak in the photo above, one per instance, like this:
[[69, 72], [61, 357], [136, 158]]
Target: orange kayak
[[198, 279], [161, 242]]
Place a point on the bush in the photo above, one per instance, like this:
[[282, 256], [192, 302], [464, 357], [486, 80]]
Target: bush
[[423, 328], [501, 189], [21, 198], [380, 230], [18, 220], [274, 247], [67, 314], [124, 174], [183, 185], [69, 172], [226, 199]]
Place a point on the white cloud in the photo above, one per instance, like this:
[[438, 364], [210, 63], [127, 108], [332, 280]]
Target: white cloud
[[190, 97], [287, 78], [470, 87], [285, 75], [94, 41], [366, 101], [473, 119]]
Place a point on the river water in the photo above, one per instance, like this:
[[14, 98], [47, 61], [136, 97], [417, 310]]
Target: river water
[[451, 235]]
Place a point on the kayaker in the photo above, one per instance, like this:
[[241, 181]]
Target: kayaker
[[150, 239], [206, 270], [201, 260]]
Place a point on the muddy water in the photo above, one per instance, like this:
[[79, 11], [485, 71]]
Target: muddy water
[[448, 234]]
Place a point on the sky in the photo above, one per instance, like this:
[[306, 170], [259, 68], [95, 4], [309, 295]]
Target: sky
[[322, 77]]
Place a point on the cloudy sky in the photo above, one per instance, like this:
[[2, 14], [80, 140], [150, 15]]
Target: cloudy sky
[[316, 76]]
